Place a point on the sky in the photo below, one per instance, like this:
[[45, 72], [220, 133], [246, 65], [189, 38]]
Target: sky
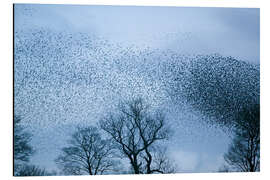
[[84, 58]]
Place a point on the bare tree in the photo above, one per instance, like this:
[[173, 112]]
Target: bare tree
[[22, 149], [135, 130], [87, 153], [32, 170], [160, 161], [244, 152]]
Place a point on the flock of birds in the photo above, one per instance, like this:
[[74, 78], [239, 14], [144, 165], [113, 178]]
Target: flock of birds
[[64, 79]]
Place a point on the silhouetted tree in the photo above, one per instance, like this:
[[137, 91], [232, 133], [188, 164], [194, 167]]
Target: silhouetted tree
[[244, 152], [87, 153], [135, 130], [32, 170], [22, 149], [161, 162]]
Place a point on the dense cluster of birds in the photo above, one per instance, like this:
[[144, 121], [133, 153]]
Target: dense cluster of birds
[[63, 79]]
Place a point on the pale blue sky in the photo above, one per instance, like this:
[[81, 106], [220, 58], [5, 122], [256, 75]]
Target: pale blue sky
[[229, 31]]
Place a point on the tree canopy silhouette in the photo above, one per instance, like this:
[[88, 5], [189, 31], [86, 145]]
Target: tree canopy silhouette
[[87, 153], [244, 151], [22, 149], [136, 131], [32, 170]]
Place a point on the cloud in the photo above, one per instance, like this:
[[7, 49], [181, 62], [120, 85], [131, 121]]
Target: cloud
[[195, 162], [187, 161]]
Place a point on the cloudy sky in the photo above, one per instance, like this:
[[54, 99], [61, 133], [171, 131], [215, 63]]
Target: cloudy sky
[[64, 45]]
